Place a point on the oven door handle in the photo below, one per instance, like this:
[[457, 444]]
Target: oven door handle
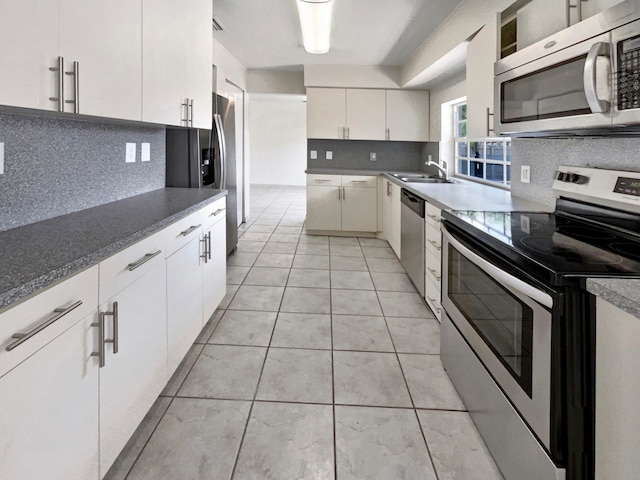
[[508, 280]]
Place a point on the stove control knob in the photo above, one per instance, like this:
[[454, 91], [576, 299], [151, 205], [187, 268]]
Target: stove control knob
[[579, 179], [562, 176]]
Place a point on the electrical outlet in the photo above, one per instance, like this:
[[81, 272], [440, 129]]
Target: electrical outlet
[[145, 152], [1, 158], [313, 155], [329, 155], [131, 153], [373, 157], [525, 174], [429, 158]]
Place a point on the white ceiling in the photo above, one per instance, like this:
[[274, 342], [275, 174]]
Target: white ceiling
[[266, 33]]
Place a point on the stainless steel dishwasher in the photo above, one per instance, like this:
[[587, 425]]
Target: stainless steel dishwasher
[[412, 237]]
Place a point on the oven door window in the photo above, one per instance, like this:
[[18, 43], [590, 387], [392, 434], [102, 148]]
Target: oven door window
[[503, 321], [556, 91]]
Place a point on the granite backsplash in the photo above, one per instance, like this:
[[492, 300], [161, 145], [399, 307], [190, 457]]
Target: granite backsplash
[[56, 166]]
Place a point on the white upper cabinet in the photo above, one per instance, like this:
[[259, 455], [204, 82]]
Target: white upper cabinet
[[199, 62], [365, 114], [177, 63], [407, 115], [28, 47], [481, 55], [105, 38], [326, 113]]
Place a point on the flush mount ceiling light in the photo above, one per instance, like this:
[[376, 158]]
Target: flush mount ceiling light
[[315, 20]]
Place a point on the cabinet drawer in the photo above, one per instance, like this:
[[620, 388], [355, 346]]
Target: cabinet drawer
[[432, 215], [326, 180], [126, 266], [359, 181], [213, 213], [432, 296], [66, 303], [433, 268], [432, 240], [182, 232]]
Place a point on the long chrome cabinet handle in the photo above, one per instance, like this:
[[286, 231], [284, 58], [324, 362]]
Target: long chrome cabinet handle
[[435, 244], [59, 313], [209, 245], [189, 230], [360, 182], [143, 260], [322, 180], [434, 273], [344, 194], [388, 188], [184, 108], [190, 112], [205, 254], [113, 313], [60, 70], [75, 73], [339, 193], [589, 78], [101, 346], [217, 212], [388, 134]]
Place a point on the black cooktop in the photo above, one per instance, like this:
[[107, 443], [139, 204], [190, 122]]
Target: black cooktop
[[557, 244]]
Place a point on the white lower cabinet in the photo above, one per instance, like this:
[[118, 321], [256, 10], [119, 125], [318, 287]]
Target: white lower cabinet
[[391, 215], [135, 374], [433, 259], [49, 413], [347, 203], [72, 393]]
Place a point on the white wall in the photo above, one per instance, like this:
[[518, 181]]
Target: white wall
[[278, 140], [276, 82], [351, 76], [447, 91]]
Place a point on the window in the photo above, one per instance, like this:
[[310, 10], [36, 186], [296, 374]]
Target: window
[[486, 160]]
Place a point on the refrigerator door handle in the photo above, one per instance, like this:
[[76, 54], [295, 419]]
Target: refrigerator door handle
[[220, 164]]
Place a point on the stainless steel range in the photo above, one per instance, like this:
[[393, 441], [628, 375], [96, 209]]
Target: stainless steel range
[[518, 334]]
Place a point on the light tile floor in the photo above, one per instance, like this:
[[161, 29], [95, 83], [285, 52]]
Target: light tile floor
[[322, 362]]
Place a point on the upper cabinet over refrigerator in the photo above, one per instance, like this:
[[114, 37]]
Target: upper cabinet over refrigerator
[[584, 79]]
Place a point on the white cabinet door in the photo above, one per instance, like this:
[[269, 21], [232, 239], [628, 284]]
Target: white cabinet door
[[164, 46], [28, 47], [593, 7], [394, 221], [324, 209], [326, 113], [408, 115], [481, 55], [366, 118], [214, 272], [184, 300], [359, 209], [106, 39], [132, 378], [540, 18], [49, 414], [199, 62]]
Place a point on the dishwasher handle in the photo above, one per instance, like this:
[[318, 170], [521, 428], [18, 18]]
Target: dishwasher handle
[[415, 203]]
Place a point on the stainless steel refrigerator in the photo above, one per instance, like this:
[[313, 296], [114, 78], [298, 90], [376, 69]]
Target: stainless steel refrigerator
[[198, 158]]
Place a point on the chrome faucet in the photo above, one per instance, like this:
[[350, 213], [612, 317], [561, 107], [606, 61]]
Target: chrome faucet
[[442, 169]]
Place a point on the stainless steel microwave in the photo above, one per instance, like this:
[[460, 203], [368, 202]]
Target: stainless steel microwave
[[583, 80]]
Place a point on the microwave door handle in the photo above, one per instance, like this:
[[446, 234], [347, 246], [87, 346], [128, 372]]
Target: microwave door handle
[[590, 83], [500, 275]]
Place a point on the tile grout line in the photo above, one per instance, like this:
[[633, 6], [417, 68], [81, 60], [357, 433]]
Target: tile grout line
[[333, 376]]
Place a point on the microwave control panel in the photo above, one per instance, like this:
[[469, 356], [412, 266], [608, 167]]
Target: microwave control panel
[[629, 73]]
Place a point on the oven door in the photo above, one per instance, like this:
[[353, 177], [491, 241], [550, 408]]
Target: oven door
[[507, 323], [566, 90]]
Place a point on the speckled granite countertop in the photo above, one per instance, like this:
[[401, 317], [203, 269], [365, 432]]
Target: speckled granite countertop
[[624, 293], [462, 195], [36, 255]]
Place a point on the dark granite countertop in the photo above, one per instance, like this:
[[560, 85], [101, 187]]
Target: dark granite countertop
[[37, 255], [624, 293]]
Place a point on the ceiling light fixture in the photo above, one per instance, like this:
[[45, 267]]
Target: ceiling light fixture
[[315, 21]]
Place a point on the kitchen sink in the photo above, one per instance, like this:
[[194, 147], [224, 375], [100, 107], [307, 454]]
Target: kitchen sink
[[415, 178]]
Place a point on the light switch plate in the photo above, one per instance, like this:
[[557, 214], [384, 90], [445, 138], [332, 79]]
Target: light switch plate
[[1, 158], [131, 153], [525, 174], [313, 155], [145, 152], [329, 155]]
